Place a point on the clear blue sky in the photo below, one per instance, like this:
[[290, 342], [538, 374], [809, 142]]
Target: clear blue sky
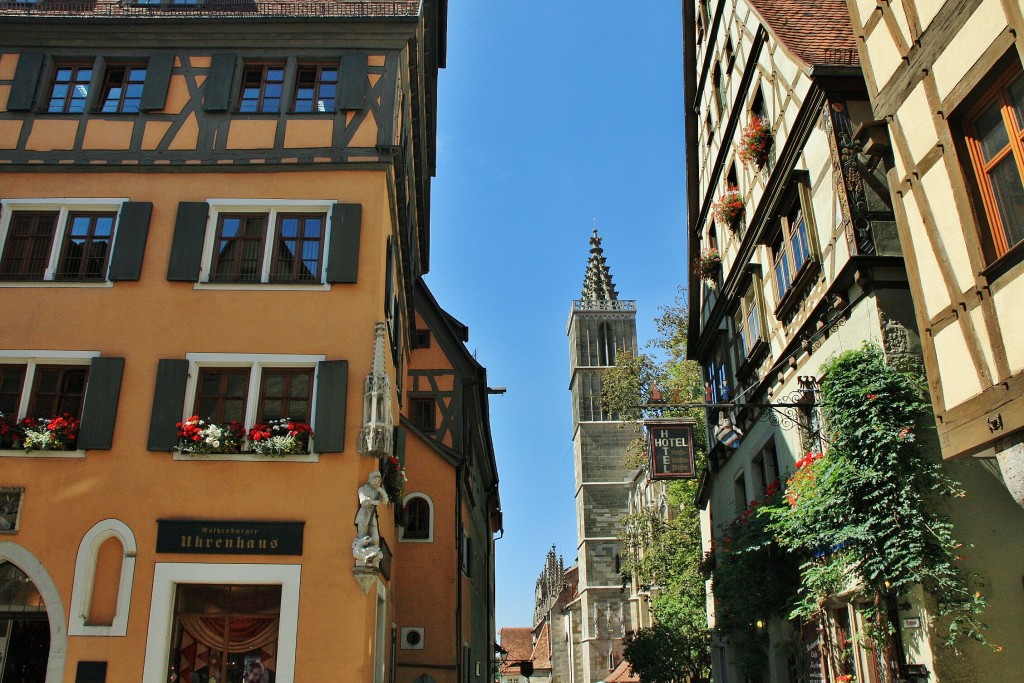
[[553, 115]]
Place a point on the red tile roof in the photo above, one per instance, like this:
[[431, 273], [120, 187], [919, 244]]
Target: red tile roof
[[815, 32], [541, 655], [622, 674], [218, 8], [518, 642]]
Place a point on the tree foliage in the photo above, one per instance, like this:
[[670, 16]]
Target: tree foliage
[[867, 513]]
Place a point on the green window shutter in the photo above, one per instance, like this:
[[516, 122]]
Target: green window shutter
[[168, 400], [187, 247], [331, 400], [26, 80], [158, 79], [352, 89], [130, 245], [100, 407], [217, 89], [399, 440], [343, 253]]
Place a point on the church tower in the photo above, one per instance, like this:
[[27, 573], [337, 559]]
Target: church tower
[[600, 325]]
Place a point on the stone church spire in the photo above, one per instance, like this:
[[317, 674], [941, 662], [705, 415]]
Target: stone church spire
[[597, 284]]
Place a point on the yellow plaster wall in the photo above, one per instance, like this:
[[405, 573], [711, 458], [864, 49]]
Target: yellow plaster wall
[[154, 133], [187, 136], [8, 63], [100, 134], [366, 135], [151, 319], [53, 134], [10, 131], [177, 95], [251, 134], [313, 133]]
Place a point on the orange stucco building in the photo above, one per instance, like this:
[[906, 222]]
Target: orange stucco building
[[222, 210]]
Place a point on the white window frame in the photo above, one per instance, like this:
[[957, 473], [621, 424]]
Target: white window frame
[[32, 359], [272, 208], [63, 206], [167, 576], [85, 578], [255, 362], [430, 527]]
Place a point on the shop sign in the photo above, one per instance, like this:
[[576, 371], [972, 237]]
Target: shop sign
[[670, 444], [215, 537], [813, 662]]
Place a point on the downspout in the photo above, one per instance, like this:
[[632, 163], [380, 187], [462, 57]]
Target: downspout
[[459, 477]]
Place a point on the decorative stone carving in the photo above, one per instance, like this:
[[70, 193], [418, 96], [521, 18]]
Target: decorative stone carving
[[376, 435], [366, 545]]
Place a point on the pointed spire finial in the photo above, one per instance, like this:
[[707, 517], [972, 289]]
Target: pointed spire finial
[[597, 283]]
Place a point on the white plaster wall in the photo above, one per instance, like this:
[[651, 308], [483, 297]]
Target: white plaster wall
[[956, 371], [1008, 300], [883, 55], [984, 26], [900, 15], [937, 187], [926, 11], [932, 284], [978, 321], [915, 118]]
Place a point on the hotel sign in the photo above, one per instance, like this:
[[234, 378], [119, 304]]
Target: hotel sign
[[206, 537], [670, 444]]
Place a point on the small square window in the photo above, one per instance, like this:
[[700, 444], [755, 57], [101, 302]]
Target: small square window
[[421, 339], [421, 413], [122, 88], [316, 86], [70, 88], [261, 88]]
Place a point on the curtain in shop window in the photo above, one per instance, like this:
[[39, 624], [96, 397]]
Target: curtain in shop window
[[244, 633]]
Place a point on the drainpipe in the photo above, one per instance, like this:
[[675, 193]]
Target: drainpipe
[[459, 478]]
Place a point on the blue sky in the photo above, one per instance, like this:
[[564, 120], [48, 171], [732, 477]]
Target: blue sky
[[554, 117]]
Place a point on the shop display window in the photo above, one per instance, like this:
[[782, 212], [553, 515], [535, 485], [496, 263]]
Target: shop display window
[[225, 632]]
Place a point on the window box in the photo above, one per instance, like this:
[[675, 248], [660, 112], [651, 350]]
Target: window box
[[280, 396], [708, 264], [755, 143]]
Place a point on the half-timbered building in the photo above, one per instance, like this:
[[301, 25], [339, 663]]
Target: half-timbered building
[[219, 210], [795, 258]]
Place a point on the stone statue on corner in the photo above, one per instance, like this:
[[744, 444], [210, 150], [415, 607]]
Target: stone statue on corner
[[366, 546]]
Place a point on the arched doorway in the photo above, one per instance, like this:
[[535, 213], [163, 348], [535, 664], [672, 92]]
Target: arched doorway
[[24, 628], [25, 565]]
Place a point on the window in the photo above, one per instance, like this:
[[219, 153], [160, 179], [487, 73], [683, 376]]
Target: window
[[739, 486], [224, 632], [730, 55], [42, 385], [87, 241], [261, 88], [422, 414], [419, 524], [122, 88], [790, 250], [260, 242], [70, 88], [719, 94], [315, 88], [995, 139], [747, 320], [241, 246], [75, 242], [222, 394], [421, 339]]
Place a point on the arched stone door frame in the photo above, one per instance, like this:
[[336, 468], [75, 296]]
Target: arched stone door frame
[[34, 569]]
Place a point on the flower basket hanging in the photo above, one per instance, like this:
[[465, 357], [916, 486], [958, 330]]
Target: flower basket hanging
[[729, 208], [755, 143], [707, 264]]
